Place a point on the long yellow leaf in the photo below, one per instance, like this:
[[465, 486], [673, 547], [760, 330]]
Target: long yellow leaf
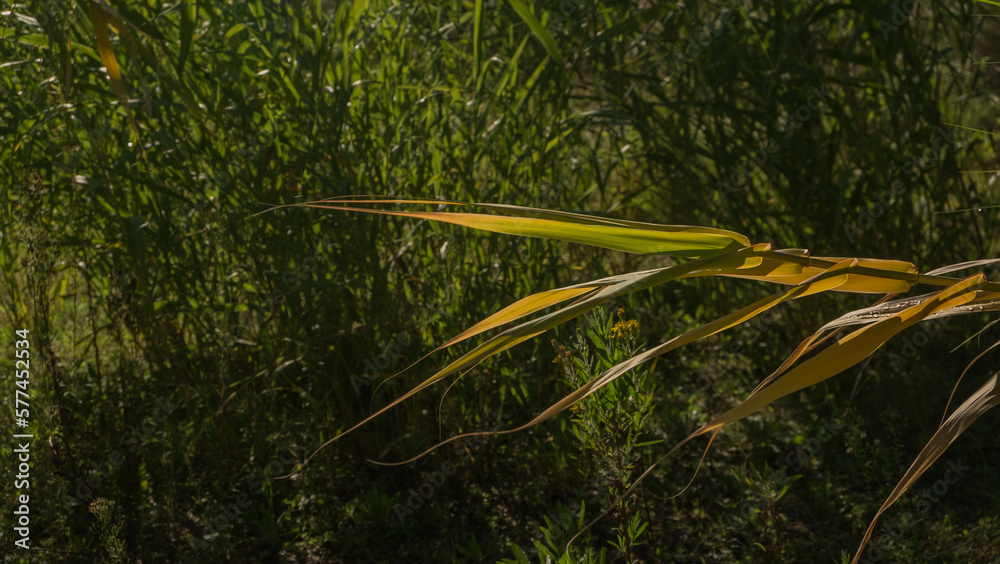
[[519, 309], [849, 351], [634, 237], [783, 270]]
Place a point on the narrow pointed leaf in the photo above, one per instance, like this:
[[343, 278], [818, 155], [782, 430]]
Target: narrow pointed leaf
[[519, 309], [836, 276], [985, 398], [677, 240], [189, 15], [846, 353], [111, 63], [538, 30]]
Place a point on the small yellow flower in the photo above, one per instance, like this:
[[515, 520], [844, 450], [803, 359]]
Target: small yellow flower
[[624, 328], [561, 352]]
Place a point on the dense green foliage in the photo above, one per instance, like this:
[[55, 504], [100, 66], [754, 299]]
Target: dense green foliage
[[188, 351]]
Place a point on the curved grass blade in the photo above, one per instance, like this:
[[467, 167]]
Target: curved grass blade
[[538, 30], [986, 397], [111, 64], [847, 352], [831, 361], [984, 301], [189, 15], [962, 375], [962, 266], [517, 310], [520, 309], [873, 276], [826, 281], [542, 300], [527, 330]]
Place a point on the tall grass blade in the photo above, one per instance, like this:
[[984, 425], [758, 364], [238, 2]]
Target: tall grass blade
[[189, 16], [538, 29], [111, 64]]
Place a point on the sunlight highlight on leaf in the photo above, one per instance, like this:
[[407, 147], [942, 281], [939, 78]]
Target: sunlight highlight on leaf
[[847, 352], [634, 237]]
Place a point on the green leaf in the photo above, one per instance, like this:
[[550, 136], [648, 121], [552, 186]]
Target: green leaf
[[629, 236], [189, 15], [538, 29], [234, 30], [477, 37]]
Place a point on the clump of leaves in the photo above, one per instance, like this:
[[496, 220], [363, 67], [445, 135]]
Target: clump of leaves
[[553, 550], [108, 529], [609, 425], [612, 422]]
